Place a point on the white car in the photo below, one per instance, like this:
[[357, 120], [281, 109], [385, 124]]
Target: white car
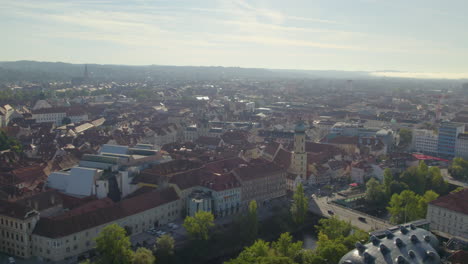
[[11, 260]]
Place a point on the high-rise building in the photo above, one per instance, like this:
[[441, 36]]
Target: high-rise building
[[299, 156], [448, 133], [86, 74]]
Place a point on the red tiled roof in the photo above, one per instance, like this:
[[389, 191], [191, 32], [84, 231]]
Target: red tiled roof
[[15, 210], [225, 165], [342, 140], [62, 226], [283, 159], [271, 148], [454, 201], [317, 147], [257, 170], [191, 178], [209, 141]]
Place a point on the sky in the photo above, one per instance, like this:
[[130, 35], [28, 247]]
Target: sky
[[420, 38]]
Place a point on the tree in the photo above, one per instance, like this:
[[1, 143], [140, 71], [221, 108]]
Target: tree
[[143, 256], [164, 248], [299, 206], [66, 121], [334, 228], [428, 197], [329, 250], [403, 207], [459, 169], [7, 142], [458, 189], [436, 181], [252, 221], [310, 257], [415, 178], [388, 179], [397, 187], [375, 193], [286, 248], [113, 245], [198, 226], [406, 136]]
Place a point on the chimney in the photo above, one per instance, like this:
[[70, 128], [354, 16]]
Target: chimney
[[52, 199]]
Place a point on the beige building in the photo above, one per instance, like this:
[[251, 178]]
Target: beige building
[[261, 181], [449, 214], [59, 234], [17, 222]]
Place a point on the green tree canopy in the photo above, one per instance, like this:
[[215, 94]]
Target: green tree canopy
[[198, 227], [375, 193], [459, 169], [299, 206], [285, 247], [408, 206], [113, 246], [406, 137], [143, 256], [251, 225], [164, 248]]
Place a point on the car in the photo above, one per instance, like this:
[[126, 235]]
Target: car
[[362, 219], [331, 212], [11, 260], [174, 226]]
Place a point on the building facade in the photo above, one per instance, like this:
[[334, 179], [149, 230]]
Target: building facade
[[425, 141], [299, 156], [448, 133], [449, 214], [461, 146], [262, 182]]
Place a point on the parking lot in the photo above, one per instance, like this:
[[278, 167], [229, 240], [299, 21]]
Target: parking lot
[[148, 238]]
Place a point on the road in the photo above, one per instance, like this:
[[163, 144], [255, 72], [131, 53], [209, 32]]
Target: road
[[451, 180], [321, 206]]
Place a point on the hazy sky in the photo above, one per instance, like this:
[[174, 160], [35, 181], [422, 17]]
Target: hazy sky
[[425, 36]]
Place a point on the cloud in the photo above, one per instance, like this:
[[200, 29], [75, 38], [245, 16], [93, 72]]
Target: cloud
[[422, 75]]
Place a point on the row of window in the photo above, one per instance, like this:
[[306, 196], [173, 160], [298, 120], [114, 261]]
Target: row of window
[[6, 234], [12, 224]]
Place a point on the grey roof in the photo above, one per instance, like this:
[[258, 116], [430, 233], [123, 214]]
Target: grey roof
[[114, 149], [81, 181], [407, 245], [58, 180]]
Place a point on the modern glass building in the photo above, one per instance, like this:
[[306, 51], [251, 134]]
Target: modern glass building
[[448, 133]]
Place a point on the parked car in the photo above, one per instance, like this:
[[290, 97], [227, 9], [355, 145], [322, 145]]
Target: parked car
[[362, 219], [11, 260], [330, 212]]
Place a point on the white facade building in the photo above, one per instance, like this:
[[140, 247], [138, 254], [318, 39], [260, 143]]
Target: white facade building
[[449, 214], [425, 141], [461, 146]]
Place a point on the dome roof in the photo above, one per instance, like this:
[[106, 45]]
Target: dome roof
[[300, 127]]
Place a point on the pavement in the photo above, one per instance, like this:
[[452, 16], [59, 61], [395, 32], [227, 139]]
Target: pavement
[[324, 205], [452, 180]]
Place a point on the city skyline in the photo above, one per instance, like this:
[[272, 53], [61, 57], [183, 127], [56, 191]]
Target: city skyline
[[421, 39]]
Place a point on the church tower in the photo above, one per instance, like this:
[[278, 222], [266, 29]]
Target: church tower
[[203, 126], [299, 156]]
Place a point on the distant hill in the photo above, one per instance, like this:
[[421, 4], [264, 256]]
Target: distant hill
[[60, 71]]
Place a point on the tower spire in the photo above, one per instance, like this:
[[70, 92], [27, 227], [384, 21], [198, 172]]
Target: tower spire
[[86, 75]]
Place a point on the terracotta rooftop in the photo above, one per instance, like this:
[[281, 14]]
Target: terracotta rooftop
[[62, 226], [283, 158], [454, 201], [257, 170], [15, 210]]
